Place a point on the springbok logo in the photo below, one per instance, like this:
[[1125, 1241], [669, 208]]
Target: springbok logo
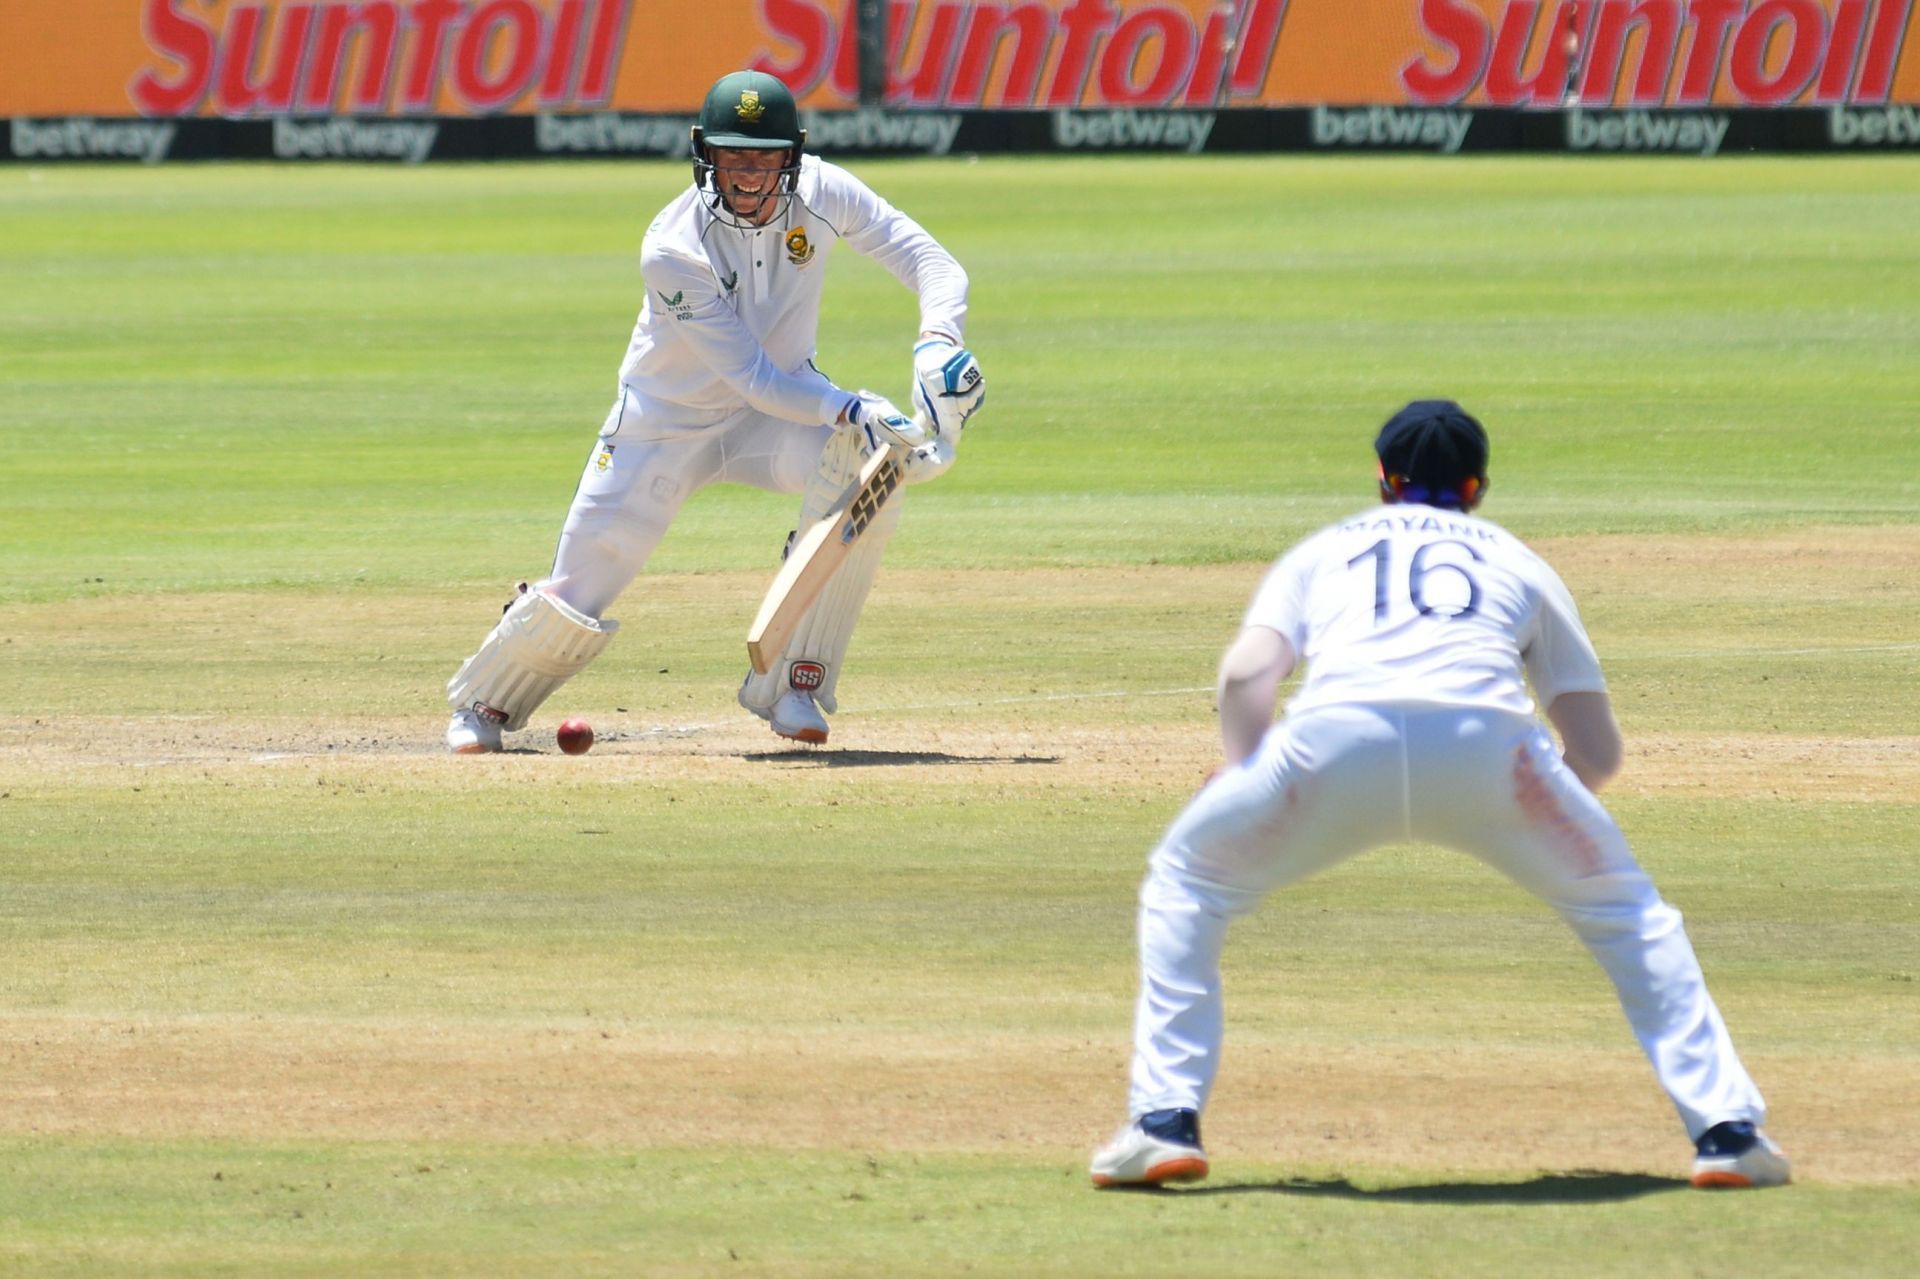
[[750, 109], [799, 252]]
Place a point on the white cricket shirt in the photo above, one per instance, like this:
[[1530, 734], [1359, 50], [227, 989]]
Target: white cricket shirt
[[1411, 603], [731, 316]]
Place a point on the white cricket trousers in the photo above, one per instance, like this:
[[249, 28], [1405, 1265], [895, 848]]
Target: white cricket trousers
[[1333, 782], [648, 459]]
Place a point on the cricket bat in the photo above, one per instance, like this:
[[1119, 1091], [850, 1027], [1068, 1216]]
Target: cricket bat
[[816, 553]]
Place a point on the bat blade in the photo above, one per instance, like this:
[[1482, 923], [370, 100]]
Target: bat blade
[[816, 553]]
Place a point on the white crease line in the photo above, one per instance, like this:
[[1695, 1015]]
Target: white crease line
[[1830, 651], [1039, 697]]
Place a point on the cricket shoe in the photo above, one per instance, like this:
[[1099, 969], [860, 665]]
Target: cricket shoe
[[1737, 1155], [1158, 1147], [797, 719], [473, 732]]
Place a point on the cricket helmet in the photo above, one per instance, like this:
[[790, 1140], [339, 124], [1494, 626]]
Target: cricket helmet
[[1435, 452], [747, 111]]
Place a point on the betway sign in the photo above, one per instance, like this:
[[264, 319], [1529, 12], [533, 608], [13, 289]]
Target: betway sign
[[1688, 53]]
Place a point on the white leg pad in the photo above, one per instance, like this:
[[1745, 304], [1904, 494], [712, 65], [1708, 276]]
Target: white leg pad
[[812, 658], [539, 645]]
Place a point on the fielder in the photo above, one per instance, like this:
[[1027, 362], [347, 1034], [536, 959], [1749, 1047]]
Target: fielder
[[1419, 625], [719, 386]]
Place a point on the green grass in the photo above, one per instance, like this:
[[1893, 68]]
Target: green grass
[[274, 441]]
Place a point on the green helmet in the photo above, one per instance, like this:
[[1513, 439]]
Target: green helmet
[[748, 111]]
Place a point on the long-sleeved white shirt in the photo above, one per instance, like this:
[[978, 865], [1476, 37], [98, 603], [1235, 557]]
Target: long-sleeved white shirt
[[731, 316], [1412, 603]]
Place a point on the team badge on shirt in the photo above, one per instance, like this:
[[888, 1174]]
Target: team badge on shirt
[[799, 252], [603, 460]]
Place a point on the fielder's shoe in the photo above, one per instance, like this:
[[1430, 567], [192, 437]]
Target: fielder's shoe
[[1158, 1147], [473, 732], [1738, 1155]]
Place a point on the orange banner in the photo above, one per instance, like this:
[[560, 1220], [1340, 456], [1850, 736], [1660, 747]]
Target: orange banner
[[483, 57]]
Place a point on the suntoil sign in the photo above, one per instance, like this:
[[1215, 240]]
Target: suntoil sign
[[1760, 53], [968, 53], [376, 57]]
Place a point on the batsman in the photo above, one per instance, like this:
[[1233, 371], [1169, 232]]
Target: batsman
[[719, 386]]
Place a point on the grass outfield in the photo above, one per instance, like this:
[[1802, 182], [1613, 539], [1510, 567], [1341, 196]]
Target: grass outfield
[[285, 990]]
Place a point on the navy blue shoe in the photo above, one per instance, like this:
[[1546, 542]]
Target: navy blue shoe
[[1160, 1146], [1737, 1155]]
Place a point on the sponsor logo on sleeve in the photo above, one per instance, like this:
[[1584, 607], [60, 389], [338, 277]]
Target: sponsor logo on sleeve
[[675, 304], [603, 460]]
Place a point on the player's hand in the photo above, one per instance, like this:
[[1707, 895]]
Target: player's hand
[[883, 423], [947, 385]]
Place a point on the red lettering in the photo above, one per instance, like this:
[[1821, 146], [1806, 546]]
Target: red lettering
[[514, 23], [1257, 41], [1660, 22], [375, 27], [1883, 50], [1843, 51], [809, 28], [1712, 19], [1083, 22], [1505, 83], [561, 51], [1203, 86], [603, 52], [1030, 26], [430, 20], [928, 81], [1806, 23], [236, 91], [1127, 51], [1463, 32], [175, 36]]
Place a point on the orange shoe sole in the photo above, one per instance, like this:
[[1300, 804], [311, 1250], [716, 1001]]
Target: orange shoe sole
[[1721, 1181], [1188, 1169]]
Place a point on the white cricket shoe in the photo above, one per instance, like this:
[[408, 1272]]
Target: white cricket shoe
[[796, 718], [470, 732], [1156, 1148], [1737, 1155]]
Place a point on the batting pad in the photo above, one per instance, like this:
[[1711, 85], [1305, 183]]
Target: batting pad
[[823, 634], [539, 645]]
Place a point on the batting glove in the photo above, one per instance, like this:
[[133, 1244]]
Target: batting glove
[[883, 423], [947, 385]]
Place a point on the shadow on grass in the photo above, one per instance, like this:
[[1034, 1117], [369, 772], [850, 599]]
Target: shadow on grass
[[1580, 1186], [876, 759]]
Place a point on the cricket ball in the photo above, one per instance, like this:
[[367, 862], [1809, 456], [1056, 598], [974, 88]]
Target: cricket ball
[[575, 736]]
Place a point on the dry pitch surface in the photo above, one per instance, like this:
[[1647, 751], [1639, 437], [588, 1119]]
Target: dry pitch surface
[[1302, 1098]]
